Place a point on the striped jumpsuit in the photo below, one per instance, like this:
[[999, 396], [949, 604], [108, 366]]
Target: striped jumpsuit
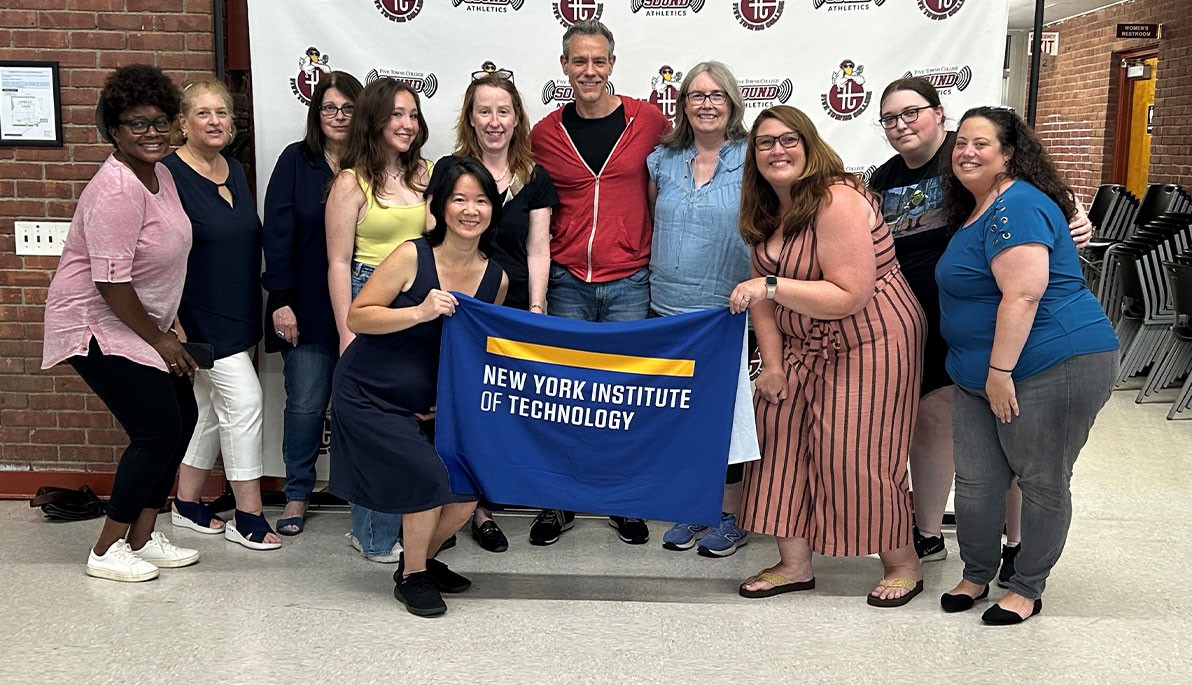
[[834, 452]]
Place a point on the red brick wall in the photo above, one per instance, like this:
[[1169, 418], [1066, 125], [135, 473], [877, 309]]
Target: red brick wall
[[50, 420], [1078, 93]]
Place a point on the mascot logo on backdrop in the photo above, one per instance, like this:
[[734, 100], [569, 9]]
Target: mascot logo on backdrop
[[311, 68], [766, 92], [560, 92], [426, 84], [846, 5], [664, 92], [569, 12], [400, 11], [490, 67], [758, 15], [940, 10], [945, 78], [489, 5], [666, 8], [847, 97]]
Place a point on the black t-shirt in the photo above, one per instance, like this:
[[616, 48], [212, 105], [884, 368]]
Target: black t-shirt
[[594, 138], [509, 243]]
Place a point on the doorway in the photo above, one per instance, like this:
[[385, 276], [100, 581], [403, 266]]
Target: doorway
[[1136, 109]]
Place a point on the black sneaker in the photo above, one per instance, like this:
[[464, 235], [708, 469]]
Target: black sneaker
[[930, 548], [1007, 572], [549, 525], [631, 531], [418, 592]]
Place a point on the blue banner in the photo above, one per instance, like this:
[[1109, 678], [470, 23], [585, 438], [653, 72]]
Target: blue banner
[[625, 419]]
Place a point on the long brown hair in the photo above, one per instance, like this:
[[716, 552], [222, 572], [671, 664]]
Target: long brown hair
[[365, 153], [315, 139], [521, 156], [1029, 161], [760, 215]]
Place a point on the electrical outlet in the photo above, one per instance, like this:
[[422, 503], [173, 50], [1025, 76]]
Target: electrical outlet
[[41, 237]]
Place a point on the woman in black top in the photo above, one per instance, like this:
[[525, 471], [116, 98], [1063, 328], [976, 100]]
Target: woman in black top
[[221, 306], [493, 128]]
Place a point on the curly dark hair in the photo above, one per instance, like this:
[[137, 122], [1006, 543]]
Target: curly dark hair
[[130, 86], [1029, 162], [440, 193]]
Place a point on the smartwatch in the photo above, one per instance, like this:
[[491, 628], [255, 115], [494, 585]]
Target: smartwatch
[[771, 286]]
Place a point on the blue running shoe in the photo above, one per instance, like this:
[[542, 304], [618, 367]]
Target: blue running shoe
[[725, 540], [683, 536]]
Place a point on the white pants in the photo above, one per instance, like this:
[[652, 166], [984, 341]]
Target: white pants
[[230, 402]]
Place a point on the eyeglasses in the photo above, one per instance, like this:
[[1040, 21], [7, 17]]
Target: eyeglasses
[[786, 140], [330, 111], [718, 97], [908, 116], [140, 127]]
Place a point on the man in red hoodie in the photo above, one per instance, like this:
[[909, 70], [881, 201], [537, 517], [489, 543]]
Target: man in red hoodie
[[595, 150]]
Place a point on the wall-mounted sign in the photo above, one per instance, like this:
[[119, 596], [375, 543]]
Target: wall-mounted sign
[[30, 104], [1150, 119], [1139, 30], [1050, 43]]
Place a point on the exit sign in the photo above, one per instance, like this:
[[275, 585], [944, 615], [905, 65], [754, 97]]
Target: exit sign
[[1050, 43], [1138, 30]]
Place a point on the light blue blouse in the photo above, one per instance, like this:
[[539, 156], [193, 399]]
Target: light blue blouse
[[697, 256]]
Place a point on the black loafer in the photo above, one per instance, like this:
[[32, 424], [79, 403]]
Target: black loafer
[[419, 594], [953, 603], [489, 536], [997, 616]]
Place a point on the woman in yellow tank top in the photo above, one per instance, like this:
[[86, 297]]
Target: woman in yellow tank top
[[376, 202]]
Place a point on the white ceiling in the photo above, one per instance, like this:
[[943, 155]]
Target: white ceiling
[[1022, 12]]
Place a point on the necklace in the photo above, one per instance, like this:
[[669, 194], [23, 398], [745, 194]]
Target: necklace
[[503, 175]]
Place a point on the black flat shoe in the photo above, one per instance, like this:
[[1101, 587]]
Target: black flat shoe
[[953, 603], [445, 579], [419, 594], [489, 536], [997, 616]]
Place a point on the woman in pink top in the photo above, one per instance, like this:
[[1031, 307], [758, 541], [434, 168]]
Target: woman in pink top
[[110, 314]]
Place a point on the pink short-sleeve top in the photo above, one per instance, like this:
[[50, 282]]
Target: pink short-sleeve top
[[120, 233]]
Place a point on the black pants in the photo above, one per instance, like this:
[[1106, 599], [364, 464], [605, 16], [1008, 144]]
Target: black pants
[[157, 410]]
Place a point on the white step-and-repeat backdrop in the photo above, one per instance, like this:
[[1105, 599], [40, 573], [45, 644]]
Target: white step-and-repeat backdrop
[[829, 58]]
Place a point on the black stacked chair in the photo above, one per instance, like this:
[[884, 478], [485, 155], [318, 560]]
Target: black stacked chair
[[1112, 214], [1179, 274]]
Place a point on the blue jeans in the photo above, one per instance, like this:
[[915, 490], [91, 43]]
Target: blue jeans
[[376, 530], [308, 370], [625, 299], [1057, 409]]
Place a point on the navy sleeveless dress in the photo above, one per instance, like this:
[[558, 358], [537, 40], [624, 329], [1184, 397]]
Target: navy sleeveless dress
[[381, 457]]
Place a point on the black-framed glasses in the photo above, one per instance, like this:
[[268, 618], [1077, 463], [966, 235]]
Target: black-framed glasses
[[908, 116], [140, 127], [698, 97], [786, 140], [330, 111]]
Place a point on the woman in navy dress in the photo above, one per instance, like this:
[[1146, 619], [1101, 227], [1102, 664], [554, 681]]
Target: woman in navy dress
[[384, 388]]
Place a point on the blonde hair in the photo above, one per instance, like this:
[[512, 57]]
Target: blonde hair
[[190, 94]]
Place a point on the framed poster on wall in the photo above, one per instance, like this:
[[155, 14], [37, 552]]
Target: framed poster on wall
[[30, 104]]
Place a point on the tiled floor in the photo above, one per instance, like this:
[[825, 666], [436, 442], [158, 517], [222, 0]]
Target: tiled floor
[[593, 610]]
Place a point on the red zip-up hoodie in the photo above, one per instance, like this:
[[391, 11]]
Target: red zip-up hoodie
[[601, 228]]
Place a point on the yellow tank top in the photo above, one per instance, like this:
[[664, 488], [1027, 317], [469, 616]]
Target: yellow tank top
[[384, 227]]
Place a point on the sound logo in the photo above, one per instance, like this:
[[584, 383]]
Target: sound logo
[[561, 92], [864, 173], [766, 92], [846, 5], [664, 92], [426, 84], [569, 12], [489, 5], [666, 8], [758, 15], [940, 10], [399, 11], [847, 97], [311, 68], [945, 78]]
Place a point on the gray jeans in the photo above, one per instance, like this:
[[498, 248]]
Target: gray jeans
[[1056, 411]]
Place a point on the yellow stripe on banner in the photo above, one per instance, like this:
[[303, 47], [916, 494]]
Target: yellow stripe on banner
[[563, 356]]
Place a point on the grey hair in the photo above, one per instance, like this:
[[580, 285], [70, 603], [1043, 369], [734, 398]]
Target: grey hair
[[681, 136], [587, 27]]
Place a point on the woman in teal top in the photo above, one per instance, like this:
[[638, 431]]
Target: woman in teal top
[[1032, 354]]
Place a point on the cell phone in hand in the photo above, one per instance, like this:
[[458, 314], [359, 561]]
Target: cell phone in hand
[[202, 353]]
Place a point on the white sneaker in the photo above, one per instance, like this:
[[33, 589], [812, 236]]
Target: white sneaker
[[392, 557], [162, 553], [119, 563]]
